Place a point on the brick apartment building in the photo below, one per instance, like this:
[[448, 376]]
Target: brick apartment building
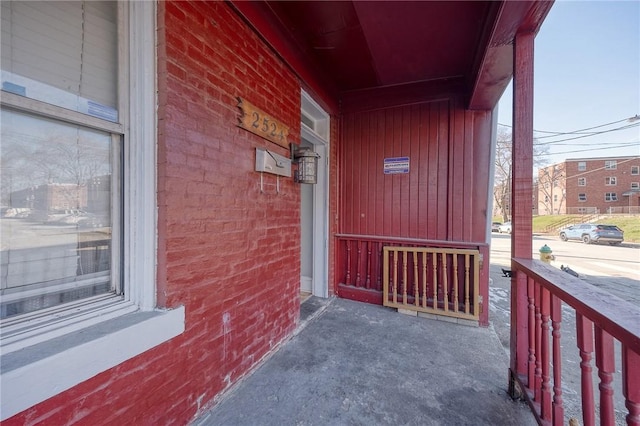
[[590, 185]]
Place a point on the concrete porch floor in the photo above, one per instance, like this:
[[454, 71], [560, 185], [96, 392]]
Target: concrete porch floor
[[352, 363]]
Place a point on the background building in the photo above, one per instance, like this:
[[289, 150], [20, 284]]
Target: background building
[[590, 185]]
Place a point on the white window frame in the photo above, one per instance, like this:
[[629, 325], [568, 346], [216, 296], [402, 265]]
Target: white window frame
[[635, 170], [610, 181], [582, 166], [610, 197], [610, 164], [582, 181], [582, 197], [113, 332], [635, 185]]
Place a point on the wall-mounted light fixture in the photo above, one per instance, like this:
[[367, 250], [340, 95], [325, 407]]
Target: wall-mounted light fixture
[[307, 162]]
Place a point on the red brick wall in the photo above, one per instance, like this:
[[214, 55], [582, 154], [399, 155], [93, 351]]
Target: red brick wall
[[226, 251], [595, 189]]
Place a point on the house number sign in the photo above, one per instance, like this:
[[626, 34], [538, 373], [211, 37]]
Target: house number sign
[[262, 124]]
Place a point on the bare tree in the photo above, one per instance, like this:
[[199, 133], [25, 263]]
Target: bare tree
[[551, 185], [503, 170]]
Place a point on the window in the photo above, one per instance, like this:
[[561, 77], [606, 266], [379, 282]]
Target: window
[[71, 161], [610, 196], [635, 170], [62, 169], [582, 166], [582, 197], [610, 181], [582, 181], [555, 197], [635, 185], [610, 165]]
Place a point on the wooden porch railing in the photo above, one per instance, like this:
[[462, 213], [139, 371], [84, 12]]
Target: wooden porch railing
[[361, 277], [432, 280], [540, 293]]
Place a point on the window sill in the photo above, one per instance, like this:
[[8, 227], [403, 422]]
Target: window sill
[[39, 372]]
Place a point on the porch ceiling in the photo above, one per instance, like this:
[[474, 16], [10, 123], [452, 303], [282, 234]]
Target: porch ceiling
[[368, 45]]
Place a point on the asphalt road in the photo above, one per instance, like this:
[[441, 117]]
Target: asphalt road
[[615, 269]]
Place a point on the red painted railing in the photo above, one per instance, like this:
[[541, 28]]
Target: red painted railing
[[539, 293]]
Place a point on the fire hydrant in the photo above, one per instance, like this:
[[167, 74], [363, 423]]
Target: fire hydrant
[[546, 255]]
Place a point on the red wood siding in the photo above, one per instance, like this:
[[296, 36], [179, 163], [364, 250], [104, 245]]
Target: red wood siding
[[227, 252], [444, 197], [442, 201]]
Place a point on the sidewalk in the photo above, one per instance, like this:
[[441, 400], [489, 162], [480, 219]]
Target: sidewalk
[[361, 364]]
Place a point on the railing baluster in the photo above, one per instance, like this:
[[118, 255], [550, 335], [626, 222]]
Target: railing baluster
[[445, 282], [584, 328], [545, 387], [556, 320], [395, 276], [358, 261], [416, 279], [368, 281], [455, 282], [348, 278], [405, 278], [434, 261], [380, 262], [631, 384], [537, 383], [424, 279], [467, 290], [386, 283], [606, 366], [531, 360]]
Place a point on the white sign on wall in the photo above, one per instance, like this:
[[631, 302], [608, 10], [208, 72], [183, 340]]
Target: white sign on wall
[[396, 165]]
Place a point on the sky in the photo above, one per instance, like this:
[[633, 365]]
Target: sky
[[586, 74]]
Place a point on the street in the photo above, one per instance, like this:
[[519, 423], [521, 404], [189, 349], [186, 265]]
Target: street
[[615, 269]]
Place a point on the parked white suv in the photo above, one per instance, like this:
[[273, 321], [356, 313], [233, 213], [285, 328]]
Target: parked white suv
[[593, 233]]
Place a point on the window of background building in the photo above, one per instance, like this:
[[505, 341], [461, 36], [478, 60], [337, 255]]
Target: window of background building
[[582, 197], [635, 185], [610, 181], [635, 170], [582, 166], [610, 165], [582, 181], [610, 196]]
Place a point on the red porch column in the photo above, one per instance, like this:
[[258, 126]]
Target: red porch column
[[521, 193]]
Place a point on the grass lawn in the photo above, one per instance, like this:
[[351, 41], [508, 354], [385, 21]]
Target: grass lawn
[[629, 224]]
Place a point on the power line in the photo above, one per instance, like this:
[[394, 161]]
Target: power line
[[589, 149], [630, 126], [575, 131]]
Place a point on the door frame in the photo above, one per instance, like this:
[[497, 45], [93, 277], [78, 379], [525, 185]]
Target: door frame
[[314, 128]]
